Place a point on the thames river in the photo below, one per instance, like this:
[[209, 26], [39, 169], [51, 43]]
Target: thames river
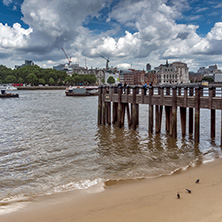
[[51, 143]]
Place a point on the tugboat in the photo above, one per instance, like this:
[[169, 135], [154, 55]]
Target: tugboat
[[82, 91], [8, 95]]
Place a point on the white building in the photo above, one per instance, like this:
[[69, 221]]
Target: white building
[[174, 73]]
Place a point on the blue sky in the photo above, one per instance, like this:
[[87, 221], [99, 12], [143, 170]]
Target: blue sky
[[130, 32]]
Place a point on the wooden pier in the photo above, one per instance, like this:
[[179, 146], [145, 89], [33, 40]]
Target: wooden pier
[[114, 102]]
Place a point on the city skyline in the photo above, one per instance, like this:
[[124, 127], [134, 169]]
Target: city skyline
[[128, 33]]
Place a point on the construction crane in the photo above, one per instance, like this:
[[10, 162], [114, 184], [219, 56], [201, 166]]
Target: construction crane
[[69, 59], [107, 62]]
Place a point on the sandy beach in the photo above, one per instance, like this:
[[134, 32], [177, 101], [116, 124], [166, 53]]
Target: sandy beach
[[142, 200]]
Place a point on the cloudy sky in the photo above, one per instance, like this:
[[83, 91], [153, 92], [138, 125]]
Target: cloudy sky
[[131, 33]]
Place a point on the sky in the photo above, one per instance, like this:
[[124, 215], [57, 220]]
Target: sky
[[130, 33]]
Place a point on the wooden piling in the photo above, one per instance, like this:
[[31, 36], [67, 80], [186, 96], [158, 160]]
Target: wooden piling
[[119, 113], [174, 113], [104, 107], [134, 114], [212, 112], [197, 115], [190, 114], [150, 110], [100, 106]]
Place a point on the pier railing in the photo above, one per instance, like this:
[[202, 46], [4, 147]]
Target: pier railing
[[115, 101]]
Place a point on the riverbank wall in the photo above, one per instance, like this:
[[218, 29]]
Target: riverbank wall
[[41, 87]]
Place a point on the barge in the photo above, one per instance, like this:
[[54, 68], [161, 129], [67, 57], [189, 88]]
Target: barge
[[82, 91]]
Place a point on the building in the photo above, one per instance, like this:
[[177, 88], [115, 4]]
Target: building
[[218, 77], [148, 67], [27, 63], [210, 70], [132, 77], [151, 77], [174, 73]]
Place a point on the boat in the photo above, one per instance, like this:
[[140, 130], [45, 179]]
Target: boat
[[82, 91], [8, 87], [8, 95]]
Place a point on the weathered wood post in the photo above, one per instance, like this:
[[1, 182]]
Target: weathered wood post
[[190, 113], [137, 108], [150, 109], [109, 106], [100, 106], [128, 109], [115, 105], [167, 111], [134, 113], [183, 113], [119, 113], [197, 115], [157, 115], [104, 118], [212, 93], [173, 128]]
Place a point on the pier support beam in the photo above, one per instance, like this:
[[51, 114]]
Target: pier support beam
[[100, 106], [173, 128], [190, 114], [197, 115], [134, 111], [183, 117], [120, 108], [212, 92], [104, 118], [150, 110]]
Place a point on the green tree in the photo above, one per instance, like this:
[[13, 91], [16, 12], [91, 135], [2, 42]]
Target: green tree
[[209, 79], [20, 80], [10, 79], [31, 78], [111, 80], [42, 81], [51, 81]]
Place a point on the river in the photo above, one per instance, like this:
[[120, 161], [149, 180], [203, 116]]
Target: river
[[51, 143]]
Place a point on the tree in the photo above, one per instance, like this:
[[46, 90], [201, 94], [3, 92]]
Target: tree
[[31, 78], [42, 81], [51, 81], [111, 80], [10, 79], [20, 80], [209, 79]]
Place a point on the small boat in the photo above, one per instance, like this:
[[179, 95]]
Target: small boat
[[8, 87], [82, 91], [8, 95]]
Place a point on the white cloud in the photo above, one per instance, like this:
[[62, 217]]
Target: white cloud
[[13, 37], [7, 2], [151, 32]]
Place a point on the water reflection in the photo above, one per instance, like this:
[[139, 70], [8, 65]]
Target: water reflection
[[126, 154]]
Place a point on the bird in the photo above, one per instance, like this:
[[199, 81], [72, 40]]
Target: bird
[[178, 196], [189, 191], [197, 181]]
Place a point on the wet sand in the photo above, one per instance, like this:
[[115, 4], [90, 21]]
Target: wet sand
[[142, 200]]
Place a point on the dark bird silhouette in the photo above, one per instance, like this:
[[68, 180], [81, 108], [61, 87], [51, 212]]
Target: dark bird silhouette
[[178, 196], [197, 181], [189, 191]]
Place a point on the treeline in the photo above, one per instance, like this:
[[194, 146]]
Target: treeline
[[35, 75]]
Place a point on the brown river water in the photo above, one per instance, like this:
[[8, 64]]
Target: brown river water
[[51, 143]]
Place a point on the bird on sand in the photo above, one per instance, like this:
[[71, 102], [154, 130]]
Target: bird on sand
[[178, 196], [197, 181], [189, 191]]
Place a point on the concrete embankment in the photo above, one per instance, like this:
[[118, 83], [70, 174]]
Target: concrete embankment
[[41, 87]]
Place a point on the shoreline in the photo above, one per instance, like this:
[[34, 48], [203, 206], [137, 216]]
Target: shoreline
[[41, 87], [140, 200]]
